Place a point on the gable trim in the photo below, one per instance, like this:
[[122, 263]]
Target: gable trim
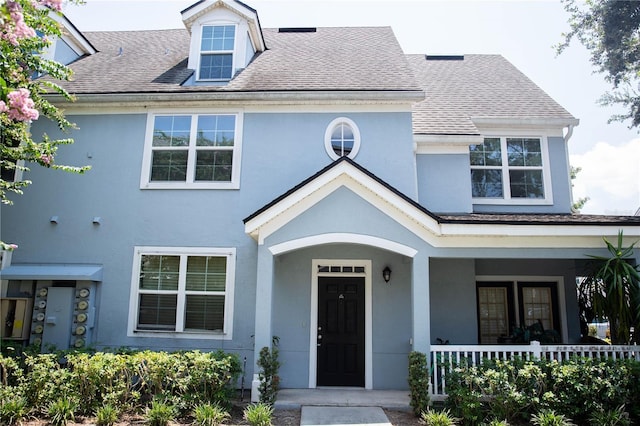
[[348, 238]]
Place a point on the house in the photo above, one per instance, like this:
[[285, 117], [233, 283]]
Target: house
[[314, 184]]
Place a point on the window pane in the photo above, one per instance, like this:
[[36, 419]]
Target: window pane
[[487, 154], [216, 130], [216, 66], [206, 273], [159, 272], [171, 130], [342, 139], [157, 312], [217, 37], [213, 165], [486, 183], [537, 306], [524, 152], [526, 184], [493, 314], [169, 165], [204, 313]]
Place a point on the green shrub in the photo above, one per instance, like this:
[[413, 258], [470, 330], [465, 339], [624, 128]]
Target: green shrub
[[62, 411], [419, 381], [106, 415], [268, 376], [210, 415], [160, 414], [13, 411], [496, 422], [259, 414], [550, 418], [617, 417], [438, 418]]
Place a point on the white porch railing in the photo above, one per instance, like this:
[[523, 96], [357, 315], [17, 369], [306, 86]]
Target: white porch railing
[[444, 356]]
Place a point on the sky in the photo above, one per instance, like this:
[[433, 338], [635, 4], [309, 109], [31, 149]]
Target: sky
[[524, 32]]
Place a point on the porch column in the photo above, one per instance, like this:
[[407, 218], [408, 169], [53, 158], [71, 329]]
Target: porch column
[[264, 295], [421, 310]]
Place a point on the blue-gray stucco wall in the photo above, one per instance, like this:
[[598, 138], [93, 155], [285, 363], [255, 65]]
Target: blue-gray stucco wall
[[444, 185], [64, 53]]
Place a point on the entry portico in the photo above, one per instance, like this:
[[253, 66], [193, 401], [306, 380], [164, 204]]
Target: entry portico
[[345, 222]]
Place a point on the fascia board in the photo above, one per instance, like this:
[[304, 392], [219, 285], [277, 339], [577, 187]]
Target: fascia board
[[73, 35], [510, 122], [246, 98]]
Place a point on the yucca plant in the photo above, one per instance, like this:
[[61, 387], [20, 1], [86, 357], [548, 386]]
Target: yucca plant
[[61, 411], [160, 414], [550, 418], [106, 415], [13, 411], [259, 414], [612, 291], [438, 418], [210, 415]]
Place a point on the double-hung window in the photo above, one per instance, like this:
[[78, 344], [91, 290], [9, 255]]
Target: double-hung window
[[182, 292], [216, 52], [192, 151], [509, 168]]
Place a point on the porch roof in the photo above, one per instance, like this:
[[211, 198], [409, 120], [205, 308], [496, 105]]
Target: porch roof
[[52, 272]]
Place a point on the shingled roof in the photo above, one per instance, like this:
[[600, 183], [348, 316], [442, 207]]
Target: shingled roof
[[327, 59], [458, 89]]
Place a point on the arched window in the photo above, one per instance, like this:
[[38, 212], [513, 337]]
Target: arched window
[[342, 138]]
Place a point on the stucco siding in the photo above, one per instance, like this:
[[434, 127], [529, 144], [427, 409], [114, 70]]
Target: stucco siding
[[444, 183]]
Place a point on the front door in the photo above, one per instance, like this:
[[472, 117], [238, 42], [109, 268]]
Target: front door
[[341, 320]]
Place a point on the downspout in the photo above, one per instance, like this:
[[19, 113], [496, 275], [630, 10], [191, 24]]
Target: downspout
[[566, 150]]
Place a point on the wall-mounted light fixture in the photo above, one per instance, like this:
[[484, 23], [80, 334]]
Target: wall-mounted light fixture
[[386, 274], [53, 219], [96, 220]]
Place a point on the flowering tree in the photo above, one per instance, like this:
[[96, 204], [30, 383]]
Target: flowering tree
[[27, 28]]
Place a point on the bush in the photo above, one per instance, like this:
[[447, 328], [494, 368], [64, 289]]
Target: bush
[[419, 381], [106, 415], [62, 411], [618, 417], [13, 411], [516, 390], [550, 418], [160, 414], [438, 418], [268, 376], [210, 415], [259, 414]]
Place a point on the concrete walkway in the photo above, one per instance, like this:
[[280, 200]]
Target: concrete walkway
[[342, 416]]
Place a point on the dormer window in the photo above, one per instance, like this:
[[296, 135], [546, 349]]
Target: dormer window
[[216, 52]]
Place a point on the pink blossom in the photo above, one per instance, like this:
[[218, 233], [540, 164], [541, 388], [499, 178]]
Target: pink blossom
[[3, 107], [13, 246], [53, 4], [15, 28], [46, 158], [21, 106]]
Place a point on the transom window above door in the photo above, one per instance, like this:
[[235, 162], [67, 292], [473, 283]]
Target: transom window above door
[[342, 138], [510, 170], [192, 151]]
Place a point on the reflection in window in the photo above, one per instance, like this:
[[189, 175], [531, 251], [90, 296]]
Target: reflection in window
[[342, 138]]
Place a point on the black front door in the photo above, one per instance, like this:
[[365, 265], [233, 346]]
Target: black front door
[[340, 331]]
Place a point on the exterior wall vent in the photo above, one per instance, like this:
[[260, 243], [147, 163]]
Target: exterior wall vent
[[297, 30], [444, 57]]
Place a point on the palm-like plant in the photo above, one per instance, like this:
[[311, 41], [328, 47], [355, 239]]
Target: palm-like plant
[[612, 289]]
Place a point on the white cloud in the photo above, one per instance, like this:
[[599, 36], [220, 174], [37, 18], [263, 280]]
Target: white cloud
[[610, 177]]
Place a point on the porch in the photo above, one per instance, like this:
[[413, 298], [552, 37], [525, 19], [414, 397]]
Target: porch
[[443, 357], [343, 397]]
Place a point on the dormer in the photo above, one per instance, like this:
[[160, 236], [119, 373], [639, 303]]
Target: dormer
[[225, 36], [71, 45]]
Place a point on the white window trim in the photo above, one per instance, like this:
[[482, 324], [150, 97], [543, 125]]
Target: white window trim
[[233, 52], [227, 333], [356, 137], [145, 176], [368, 318], [506, 187], [515, 279]]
